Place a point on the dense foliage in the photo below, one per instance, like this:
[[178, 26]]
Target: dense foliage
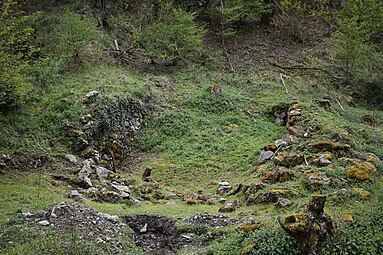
[[15, 52]]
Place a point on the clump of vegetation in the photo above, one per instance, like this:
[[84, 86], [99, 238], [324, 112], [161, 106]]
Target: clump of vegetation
[[265, 241], [173, 37], [15, 53], [303, 21], [356, 46]]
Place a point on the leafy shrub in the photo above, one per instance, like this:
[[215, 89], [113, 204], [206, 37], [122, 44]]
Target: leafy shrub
[[245, 10], [368, 14], [15, 52], [301, 20], [264, 241], [356, 53], [75, 32], [44, 72], [207, 102], [173, 37]]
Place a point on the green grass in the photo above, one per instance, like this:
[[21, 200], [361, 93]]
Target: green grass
[[23, 192]]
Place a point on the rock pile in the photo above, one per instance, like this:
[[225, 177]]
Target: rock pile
[[104, 229]]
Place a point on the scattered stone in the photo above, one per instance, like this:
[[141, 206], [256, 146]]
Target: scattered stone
[[74, 194], [2, 165], [91, 154], [223, 188], [5, 157], [264, 156], [280, 143], [309, 133], [110, 196], [207, 219], [134, 201], [294, 130], [325, 159], [86, 119], [44, 223], [146, 174], [227, 207], [216, 90], [364, 194], [343, 195], [102, 173], [273, 195], [324, 103], [222, 200], [282, 203], [372, 158], [83, 176], [71, 158], [368, 119], [289, 161], [270, 147], [316, 178], [361, 171], [144, 229], [251, 227], [91, 96], [75, 133], [237, 190], [27, 214], [211, 201], [253, 188], [120, 188], [328, 145], [344, 137], [280, 175], [280, 122]]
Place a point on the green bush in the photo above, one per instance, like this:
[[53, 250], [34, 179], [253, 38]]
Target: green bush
[[355, 47], [246, 10], [74, 33], [173, 37], [15, 52], [264, 241], [368, 14], [303, 20]]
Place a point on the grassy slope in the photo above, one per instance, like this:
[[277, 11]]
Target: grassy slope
[[193, 139]]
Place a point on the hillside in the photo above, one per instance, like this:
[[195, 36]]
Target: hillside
[[252, 142]]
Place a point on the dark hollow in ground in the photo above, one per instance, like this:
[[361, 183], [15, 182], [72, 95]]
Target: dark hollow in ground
[[154, 233]]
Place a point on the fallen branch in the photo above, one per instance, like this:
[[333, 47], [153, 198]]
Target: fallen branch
[[307, 68], [284, 84], [340, 104], [116, 43], [223, 40]]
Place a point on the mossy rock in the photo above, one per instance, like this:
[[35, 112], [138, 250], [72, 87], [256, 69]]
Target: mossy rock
[[251, 227], [328, 145], [273, 195], [289, 161], [372, 158], [361, 171], [296, 223], [316, 178]]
